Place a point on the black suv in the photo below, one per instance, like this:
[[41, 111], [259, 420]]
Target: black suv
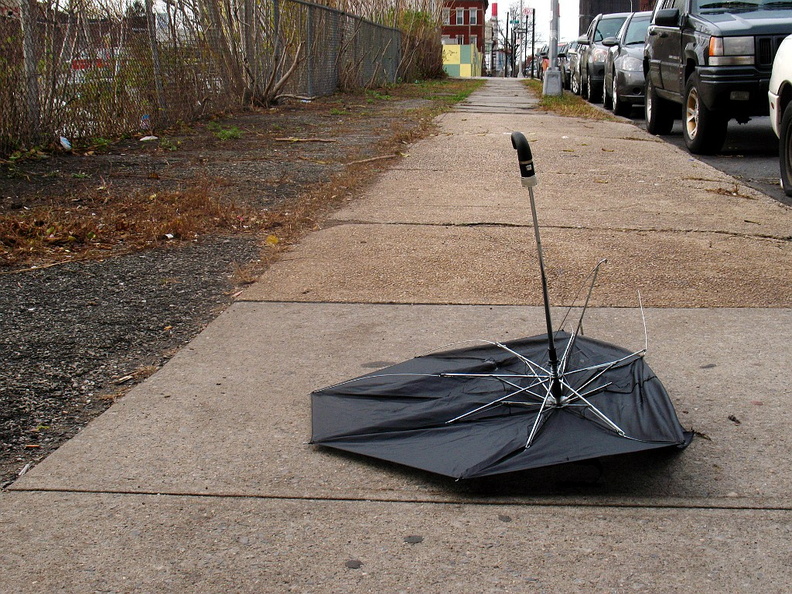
[[714, 58]]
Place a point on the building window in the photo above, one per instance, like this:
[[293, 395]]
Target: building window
[[460, 40], [446, 16], [446, 40], [474, 40], [460, 14], [473, 16]]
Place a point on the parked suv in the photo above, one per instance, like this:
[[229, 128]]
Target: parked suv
[[713, 58], [593, 53]]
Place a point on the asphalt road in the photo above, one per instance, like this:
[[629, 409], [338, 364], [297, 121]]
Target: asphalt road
[[750, 153]]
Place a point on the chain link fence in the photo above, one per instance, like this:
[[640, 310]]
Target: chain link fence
[[88, 74]]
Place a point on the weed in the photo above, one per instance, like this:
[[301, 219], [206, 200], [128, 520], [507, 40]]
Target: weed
[[372, 96], [100, 143], [168, 145], [222, 133], [567, 104], [34, 154]]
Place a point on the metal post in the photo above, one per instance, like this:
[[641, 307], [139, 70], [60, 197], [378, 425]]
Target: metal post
[[552, 83], [525, 45], [159, 87], [27, 17], [506, 49], [533, 43]]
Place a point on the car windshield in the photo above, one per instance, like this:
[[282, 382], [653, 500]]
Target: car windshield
[[636, 30], [710, 6], [608, 28]]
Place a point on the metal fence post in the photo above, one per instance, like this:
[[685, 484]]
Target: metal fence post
[[32, 103]]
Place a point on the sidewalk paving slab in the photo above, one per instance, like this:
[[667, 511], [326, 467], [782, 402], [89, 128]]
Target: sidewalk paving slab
[[230, 414], [150, 543]]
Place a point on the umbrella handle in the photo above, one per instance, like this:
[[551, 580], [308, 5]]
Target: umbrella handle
[[525, 159]]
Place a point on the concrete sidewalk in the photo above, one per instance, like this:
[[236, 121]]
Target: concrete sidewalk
[[201, 478]]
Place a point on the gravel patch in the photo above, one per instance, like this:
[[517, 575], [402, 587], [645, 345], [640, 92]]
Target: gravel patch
[[74, 337]]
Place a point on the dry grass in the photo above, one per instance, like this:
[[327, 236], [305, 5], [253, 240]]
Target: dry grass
[[568, 104], [100, 223], [105, 222]]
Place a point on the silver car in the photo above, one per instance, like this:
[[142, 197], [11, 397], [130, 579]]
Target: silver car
[[593, 53], [624, 77], [566, 55]]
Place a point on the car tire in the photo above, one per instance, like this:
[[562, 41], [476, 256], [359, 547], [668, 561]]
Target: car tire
[[704, 130], [620, 108], [574, 83], [594, 93], [659, 113], [584, 90], [607, 103], [785, 150]]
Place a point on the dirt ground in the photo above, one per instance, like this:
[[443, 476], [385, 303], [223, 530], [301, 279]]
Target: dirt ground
[[92, 303]]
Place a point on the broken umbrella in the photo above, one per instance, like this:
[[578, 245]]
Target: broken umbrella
[[495, 407]]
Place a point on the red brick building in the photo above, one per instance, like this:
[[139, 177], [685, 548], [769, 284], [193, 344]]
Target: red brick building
[[463, 22]]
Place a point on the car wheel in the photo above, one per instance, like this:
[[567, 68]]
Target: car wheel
[[606, 96], [584, 89], [785, 150], [594, 94], [574, 84], [659, 113], [620, 108], [704, 130]]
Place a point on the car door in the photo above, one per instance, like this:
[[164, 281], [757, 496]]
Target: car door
[[666, 46], [585, 50]]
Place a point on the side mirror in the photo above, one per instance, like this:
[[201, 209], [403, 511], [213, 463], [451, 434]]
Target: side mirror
[[610, 41], [667, 17], [583, 40]]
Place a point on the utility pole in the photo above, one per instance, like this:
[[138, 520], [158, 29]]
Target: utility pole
[[552, 78], [533, 43], [518, 19], [506, 49]]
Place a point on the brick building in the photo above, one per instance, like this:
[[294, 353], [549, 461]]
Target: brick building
[[463, 22]]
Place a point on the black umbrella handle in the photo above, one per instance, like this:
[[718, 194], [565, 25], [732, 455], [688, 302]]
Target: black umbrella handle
[[525, 159]]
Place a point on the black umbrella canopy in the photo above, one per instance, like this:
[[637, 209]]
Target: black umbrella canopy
[[498, 407], [489, 409]]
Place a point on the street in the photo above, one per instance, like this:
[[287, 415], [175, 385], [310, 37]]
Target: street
[[750, 153]]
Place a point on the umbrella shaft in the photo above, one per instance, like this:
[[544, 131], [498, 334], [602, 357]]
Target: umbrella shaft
[[556, 383]]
